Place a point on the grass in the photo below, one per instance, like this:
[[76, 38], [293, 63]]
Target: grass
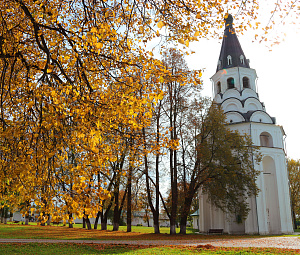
[[32, 231], [10, 231], [142, 229], [139, 229], [57, 249]]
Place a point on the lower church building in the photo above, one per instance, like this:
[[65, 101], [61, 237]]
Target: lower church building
[[234, 85]]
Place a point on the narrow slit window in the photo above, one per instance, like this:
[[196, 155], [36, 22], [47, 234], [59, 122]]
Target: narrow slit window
[[242, 59], [219, 87], [229, 60], [246, 83]]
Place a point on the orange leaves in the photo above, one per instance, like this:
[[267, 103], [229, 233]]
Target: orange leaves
[[74, 78], [160, 24], [94, 30]]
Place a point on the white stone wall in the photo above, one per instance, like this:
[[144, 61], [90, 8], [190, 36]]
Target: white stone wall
[[271, 210], [237, 73]]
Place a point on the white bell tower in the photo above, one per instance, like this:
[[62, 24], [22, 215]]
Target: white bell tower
[[234, 85]]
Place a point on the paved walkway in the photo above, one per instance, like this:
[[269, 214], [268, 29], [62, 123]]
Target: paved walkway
[[292, 242]]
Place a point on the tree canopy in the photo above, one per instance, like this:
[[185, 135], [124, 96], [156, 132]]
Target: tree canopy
[[75, 79]]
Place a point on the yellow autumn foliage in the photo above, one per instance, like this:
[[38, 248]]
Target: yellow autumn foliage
[[72, 76]]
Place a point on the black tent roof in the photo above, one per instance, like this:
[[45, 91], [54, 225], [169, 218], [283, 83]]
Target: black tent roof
[[231, 48]]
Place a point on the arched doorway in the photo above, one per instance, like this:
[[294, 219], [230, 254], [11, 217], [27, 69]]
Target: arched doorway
[[271, 195]]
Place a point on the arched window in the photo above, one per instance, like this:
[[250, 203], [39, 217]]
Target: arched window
[[266, 139], [242, 59], [229, 60], [219, 87], [246, 83], [230, 83]]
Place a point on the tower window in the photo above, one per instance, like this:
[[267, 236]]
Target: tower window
[[230, 83], [266, 139], [219, 87], [229, 60], [242, 59], [246, 82], [219, 63]]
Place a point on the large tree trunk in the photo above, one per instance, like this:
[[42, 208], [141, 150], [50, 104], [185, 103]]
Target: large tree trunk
[[70, 218], [117, 211], [116, 219], [156, 222], [5, 215], [88, 223], [148, 222], [104, 216], [183, 221], [97, 220], [172, 226], [48, 221], [104, 222], [27, 220], [173, 161], [83, 222], [129, 200], [185, 210], [174, 191], [156, 212]]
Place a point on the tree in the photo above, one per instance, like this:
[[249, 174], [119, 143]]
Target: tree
[[202, 150], [154, 141], [162, 134], [69, 73], [294, 175], [66, 80], [217, 160], [177, 87]]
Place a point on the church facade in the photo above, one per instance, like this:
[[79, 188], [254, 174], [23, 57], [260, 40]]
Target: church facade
[[234, 85]]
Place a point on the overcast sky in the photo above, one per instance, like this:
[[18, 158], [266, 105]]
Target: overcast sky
[[278, 74]]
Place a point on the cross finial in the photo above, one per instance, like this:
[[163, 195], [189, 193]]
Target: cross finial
[[229, 20]]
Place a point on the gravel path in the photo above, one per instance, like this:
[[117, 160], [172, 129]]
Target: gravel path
[[275, 242]]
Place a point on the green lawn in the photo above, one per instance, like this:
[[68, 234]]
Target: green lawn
[[33, 231], [19, 231], [148, 230], [57, 249], [137, 229]]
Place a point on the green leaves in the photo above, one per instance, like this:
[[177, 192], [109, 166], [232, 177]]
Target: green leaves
[[294, 176]]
